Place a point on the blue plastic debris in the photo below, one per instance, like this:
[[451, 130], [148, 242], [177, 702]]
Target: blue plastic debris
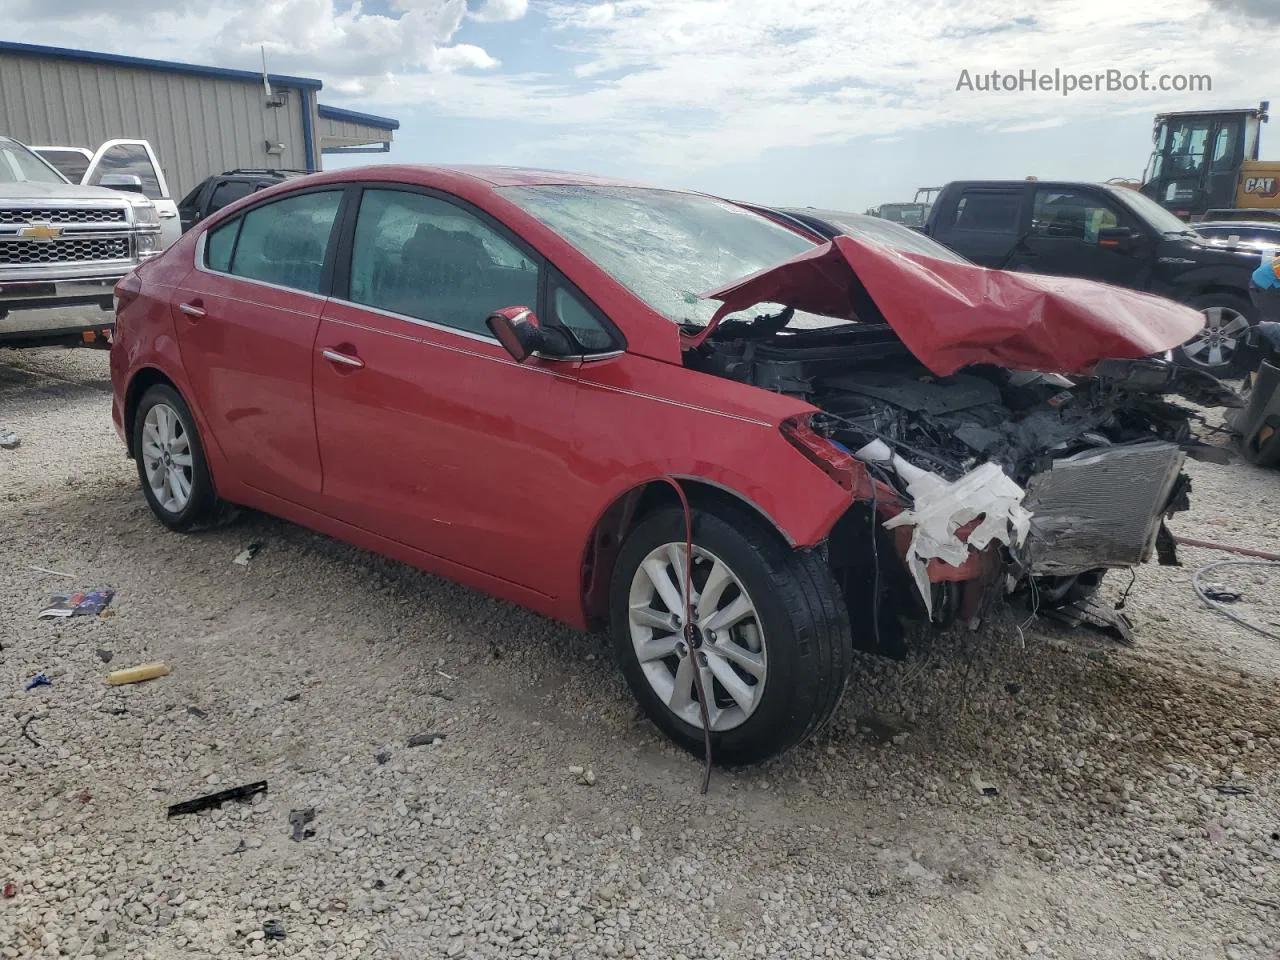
[[39, 680]]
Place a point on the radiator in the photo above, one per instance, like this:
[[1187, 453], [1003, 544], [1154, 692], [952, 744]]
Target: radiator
[[1101, 508]]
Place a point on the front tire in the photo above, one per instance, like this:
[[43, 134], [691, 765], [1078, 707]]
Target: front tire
[[171, 464], [773, 643], [1227, 317]]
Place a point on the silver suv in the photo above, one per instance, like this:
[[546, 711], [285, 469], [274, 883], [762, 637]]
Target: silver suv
[[64, 246]]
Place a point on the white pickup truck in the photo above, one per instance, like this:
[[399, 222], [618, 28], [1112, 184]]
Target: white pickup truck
[[63, 247], [119, 157]]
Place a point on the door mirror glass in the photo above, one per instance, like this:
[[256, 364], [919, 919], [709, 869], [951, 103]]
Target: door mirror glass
[[522, 336], [121, 181], [518, 330]]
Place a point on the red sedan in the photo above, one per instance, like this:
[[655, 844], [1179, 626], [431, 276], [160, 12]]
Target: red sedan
[[517, 379]]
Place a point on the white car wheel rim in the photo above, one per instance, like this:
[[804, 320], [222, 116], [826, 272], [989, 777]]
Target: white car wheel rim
[[728, 646]]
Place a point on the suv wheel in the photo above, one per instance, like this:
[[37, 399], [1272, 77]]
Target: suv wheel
[[1226, 318], [171, 465], [771, 638]]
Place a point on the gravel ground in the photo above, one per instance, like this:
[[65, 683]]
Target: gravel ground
[[547, 819]]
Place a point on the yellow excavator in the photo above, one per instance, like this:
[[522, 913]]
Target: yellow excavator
[[1205, 165]]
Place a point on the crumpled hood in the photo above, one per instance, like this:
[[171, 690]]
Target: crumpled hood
[[952, 315]]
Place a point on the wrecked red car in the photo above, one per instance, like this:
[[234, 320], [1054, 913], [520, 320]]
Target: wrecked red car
[[519, 379]]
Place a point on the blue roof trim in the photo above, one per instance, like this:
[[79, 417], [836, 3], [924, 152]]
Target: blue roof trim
[[169, 66], [368, 119]]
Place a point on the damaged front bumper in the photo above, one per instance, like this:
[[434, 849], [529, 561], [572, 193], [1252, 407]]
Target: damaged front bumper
[[1098, 510]]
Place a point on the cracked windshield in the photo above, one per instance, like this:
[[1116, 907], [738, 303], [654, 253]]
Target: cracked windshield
[[667, 248]]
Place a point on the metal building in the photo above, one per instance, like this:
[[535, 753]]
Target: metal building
[[199, 120]]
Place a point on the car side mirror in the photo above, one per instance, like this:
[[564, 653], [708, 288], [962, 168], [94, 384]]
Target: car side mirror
[[522, 335], [1121, 239], [121, 181]]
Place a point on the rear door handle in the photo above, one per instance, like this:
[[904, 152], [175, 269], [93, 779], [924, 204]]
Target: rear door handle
[[345, 359], [192, 309], [168, 214]]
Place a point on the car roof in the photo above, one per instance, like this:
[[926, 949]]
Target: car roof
[[489, 176]]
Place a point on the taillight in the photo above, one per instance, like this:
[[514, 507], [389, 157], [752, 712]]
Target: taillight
[[126, 291], [827, 455]]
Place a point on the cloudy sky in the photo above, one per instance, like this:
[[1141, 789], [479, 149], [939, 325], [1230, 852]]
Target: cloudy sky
[[841, 103]]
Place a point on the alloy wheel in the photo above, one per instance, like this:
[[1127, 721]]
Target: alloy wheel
[[727, 645], [1216, 343], [166, 458]]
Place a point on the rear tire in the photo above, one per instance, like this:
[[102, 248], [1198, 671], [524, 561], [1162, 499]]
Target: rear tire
[[171, 465], [1228, 317], [780, 669]]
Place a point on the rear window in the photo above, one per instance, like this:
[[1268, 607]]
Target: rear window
[[228, 192], [991, 212], [72, 164]]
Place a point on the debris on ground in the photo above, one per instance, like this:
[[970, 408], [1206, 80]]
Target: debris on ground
[[1222, 594], [147, 671], [273, 930], [83, 603], [197, 713], [1203, 592], [84, 796], [104, 655], [1090, 613], [293, 698], [383, 757], [213, 801], [10, 890], [248, 553], [585, 775], [39, 680], [984, 788], [52, 573], [27, 736], [424, 739], [1233, 789], [298, 820], [9, 440]]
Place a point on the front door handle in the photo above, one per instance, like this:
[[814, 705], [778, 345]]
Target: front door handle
[[345, 359], [194, 310], [168, 214]]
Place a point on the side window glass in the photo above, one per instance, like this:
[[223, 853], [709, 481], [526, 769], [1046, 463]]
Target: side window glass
[[1187, 147], [576, 317], [284, 242], [130, 159], [227, 192], [994, 212], [70, 163], [426, 258], [1067, 215], [1224, 148], [219, 245]]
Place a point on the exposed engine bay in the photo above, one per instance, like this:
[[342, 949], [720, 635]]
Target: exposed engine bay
[[1071, 475]]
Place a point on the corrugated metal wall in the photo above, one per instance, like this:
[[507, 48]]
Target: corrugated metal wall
[[347, 133], [197, 125]]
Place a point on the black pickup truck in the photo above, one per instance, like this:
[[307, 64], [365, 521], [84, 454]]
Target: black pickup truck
[[1106, 233]]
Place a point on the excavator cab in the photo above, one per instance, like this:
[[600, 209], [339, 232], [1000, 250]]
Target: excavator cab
[[1198, 158]]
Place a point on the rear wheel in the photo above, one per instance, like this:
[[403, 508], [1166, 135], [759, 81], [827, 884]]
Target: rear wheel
[[1227, 317], [171, 464], [771, 639]]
